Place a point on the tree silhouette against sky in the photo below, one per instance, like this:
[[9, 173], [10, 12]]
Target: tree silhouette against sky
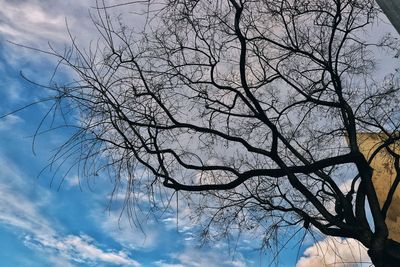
[[250, 110]]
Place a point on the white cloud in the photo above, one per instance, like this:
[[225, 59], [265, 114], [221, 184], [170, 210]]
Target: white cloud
[[10, 88], [79, 249], [15, 207], [36, 22], [164, 264], [128, 232], [72, 181], [193, 257], [9, 121], [21, 203], [335, 252], [144, 229]]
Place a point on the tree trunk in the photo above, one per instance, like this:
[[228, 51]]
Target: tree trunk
[[387, 255]]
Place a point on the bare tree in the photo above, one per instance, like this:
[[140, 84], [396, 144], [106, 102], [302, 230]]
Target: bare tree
[[244, 107]]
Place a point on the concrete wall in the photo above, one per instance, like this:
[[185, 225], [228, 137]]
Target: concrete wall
[[392, 11]]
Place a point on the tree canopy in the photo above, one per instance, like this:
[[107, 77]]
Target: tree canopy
[[252, 110]]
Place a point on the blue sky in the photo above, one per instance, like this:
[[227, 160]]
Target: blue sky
[[44, 222]]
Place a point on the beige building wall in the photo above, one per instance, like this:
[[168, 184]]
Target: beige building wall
[[383, 176]]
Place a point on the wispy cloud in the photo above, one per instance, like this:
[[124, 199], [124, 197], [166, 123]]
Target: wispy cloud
[[42, 25], [36, 22], [71, 182], [193, 257], [142, 234], [21, 210], [78, 249], [7, 122]]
